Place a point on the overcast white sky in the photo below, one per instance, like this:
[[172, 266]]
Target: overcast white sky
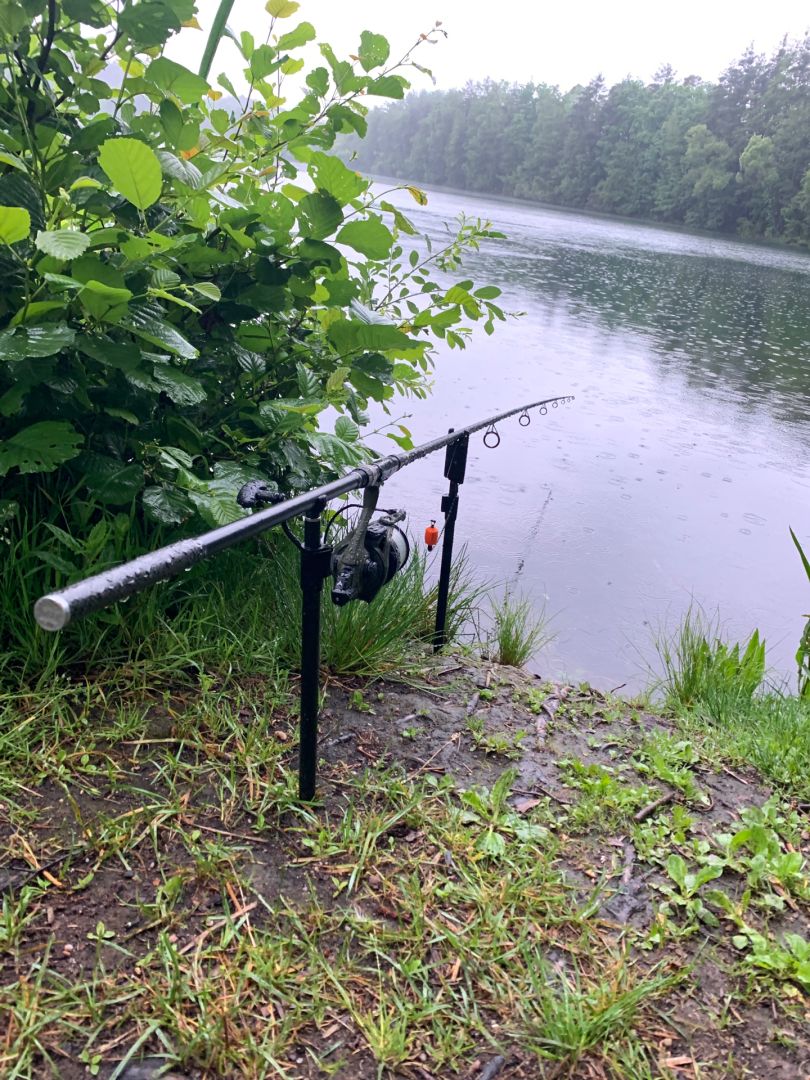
[[562, 42]]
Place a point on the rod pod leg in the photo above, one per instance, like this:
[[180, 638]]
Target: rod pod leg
[[315, 567], [455, 467]]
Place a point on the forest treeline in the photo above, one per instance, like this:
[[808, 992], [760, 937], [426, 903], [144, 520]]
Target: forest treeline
[[732, 156]]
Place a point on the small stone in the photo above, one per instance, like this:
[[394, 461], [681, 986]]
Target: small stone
[[67, 949]]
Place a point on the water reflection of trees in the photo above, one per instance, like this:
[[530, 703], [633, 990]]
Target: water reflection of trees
[[708, 319]]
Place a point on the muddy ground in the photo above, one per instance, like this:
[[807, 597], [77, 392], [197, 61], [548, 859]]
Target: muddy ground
[[468, 720]]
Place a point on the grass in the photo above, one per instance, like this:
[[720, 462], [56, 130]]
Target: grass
[[216, 924], [237, 612], [720, 689], [424, 948], [517, 632], [369, 639], [702, 672], [166, 894]]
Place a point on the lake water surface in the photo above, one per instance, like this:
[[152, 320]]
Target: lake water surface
[[674, 476]]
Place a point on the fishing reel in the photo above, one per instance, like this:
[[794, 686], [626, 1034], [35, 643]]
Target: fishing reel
[[367, 559], [362, 561]]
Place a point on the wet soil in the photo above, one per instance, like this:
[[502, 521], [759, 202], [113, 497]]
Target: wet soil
[[468, 720]]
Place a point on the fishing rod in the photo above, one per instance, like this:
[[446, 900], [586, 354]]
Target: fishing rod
[[360, 564]]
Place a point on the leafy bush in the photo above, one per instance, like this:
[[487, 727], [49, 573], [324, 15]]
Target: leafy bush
[[176, 312]]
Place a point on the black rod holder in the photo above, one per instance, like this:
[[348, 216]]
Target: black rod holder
[[455, 468], [315, 567]]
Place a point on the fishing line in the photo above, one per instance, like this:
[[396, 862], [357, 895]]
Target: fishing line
[[535, 529]]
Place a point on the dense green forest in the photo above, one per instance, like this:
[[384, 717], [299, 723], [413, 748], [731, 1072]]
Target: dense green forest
[[732, 156]]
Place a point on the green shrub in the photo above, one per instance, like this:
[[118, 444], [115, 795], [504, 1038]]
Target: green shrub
[[176, 317]]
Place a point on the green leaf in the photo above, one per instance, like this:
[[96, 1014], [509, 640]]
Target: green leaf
[[417, 194], [346, 429], [173, 298], [309, 385], [181, 388], [208, 289], [166, 506], [175, 79], [282, 9], [251, 362], [319, 215], [48, 340], [106, 302], [802, 556], [215, 499], [149, 23], [17, 190], [12, 160], [84, 182], [146, 321], [171, 120], [374, 50], [14, 17], [90, 12], [63, 244], [491, 843], [370, 237], [220, 120], [113, 482], [348, 334], [334, 384], [15, 224], [111, 353], [12, 348], [33, 311], [331, 175], [178, 169], [303, 33], [133, 169], [676, 868], [390, 86], [122, 414], [318, 81], [264, 61], [319, 253], [40, 447]]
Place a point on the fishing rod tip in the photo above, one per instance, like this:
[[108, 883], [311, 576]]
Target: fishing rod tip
[[52, 612]]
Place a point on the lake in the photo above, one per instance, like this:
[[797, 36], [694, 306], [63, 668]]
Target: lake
[[672, 479]]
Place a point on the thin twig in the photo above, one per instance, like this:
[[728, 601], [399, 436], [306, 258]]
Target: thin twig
[[737, 777], [542, 791], [650, 808]]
